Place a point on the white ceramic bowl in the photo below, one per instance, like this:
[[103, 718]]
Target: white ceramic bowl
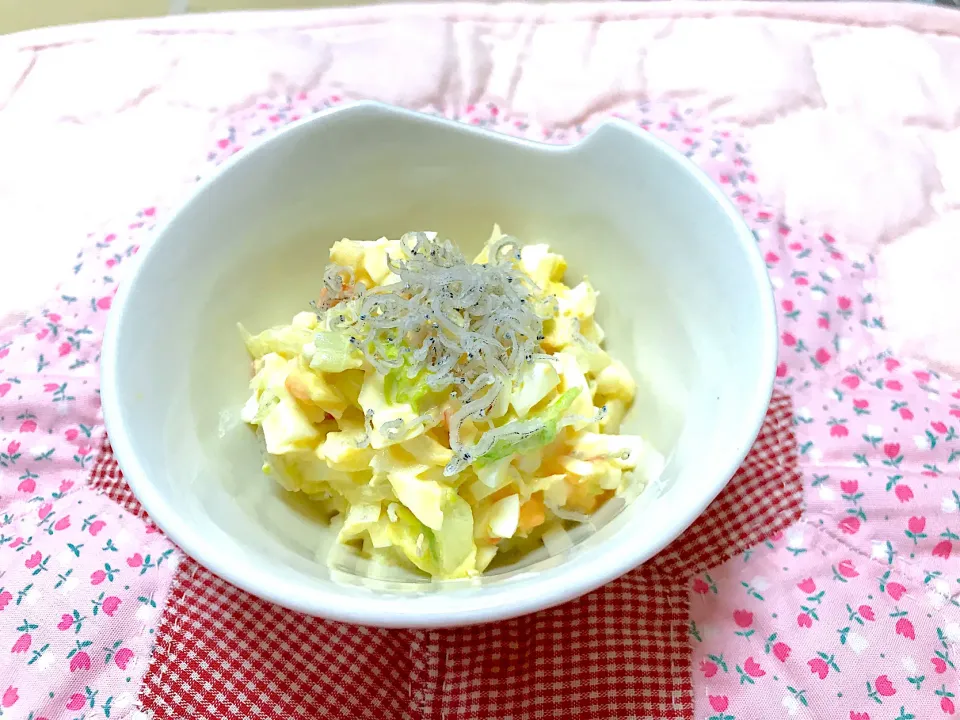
[[685, 301]]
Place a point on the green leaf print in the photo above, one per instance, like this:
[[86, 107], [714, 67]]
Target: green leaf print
[[853, 616], [768, 645], [62, 578], [751, 591], [718, 659], [799, 695], [744, 678], [37, 654]]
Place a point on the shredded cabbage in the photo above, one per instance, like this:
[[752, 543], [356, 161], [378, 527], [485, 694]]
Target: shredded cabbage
[[401, 387], [334, 353], [442, 552], [521, 437], [441, 413], [445, 323], [285, 340]]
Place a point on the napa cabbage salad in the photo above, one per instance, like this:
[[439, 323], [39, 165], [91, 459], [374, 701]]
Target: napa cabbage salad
[[442, 412]]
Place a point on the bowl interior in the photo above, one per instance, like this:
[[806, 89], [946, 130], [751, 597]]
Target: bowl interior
[[684, 301]]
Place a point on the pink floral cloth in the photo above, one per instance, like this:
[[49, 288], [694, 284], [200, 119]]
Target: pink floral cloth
[[82, 583], [851, 613]]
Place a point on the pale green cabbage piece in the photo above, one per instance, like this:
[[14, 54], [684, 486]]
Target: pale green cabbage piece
[[334, 353], [285, 340], [550, 416], [444, 552]]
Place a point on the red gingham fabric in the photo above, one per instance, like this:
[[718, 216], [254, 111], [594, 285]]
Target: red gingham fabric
[[619, 652], [107, 478]]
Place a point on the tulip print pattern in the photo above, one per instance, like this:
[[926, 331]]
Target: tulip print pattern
[[65, 592], [865, 579]]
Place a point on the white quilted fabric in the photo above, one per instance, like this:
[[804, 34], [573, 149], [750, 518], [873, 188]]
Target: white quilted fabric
[[852, 111]]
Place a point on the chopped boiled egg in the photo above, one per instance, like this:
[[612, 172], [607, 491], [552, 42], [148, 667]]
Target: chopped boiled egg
[[504, 516], [579, 301], [422, 496], [344, 451], [485, 556], [375, 258], [616, 409], [287, 429], [536, 381], [494, 475], [571, 376], [374, 403], [438, 411], [311, 388], [306, 320], [542, 265], [615, 381], [349, 254], [360, 517], [626, 452], [427, 450]]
